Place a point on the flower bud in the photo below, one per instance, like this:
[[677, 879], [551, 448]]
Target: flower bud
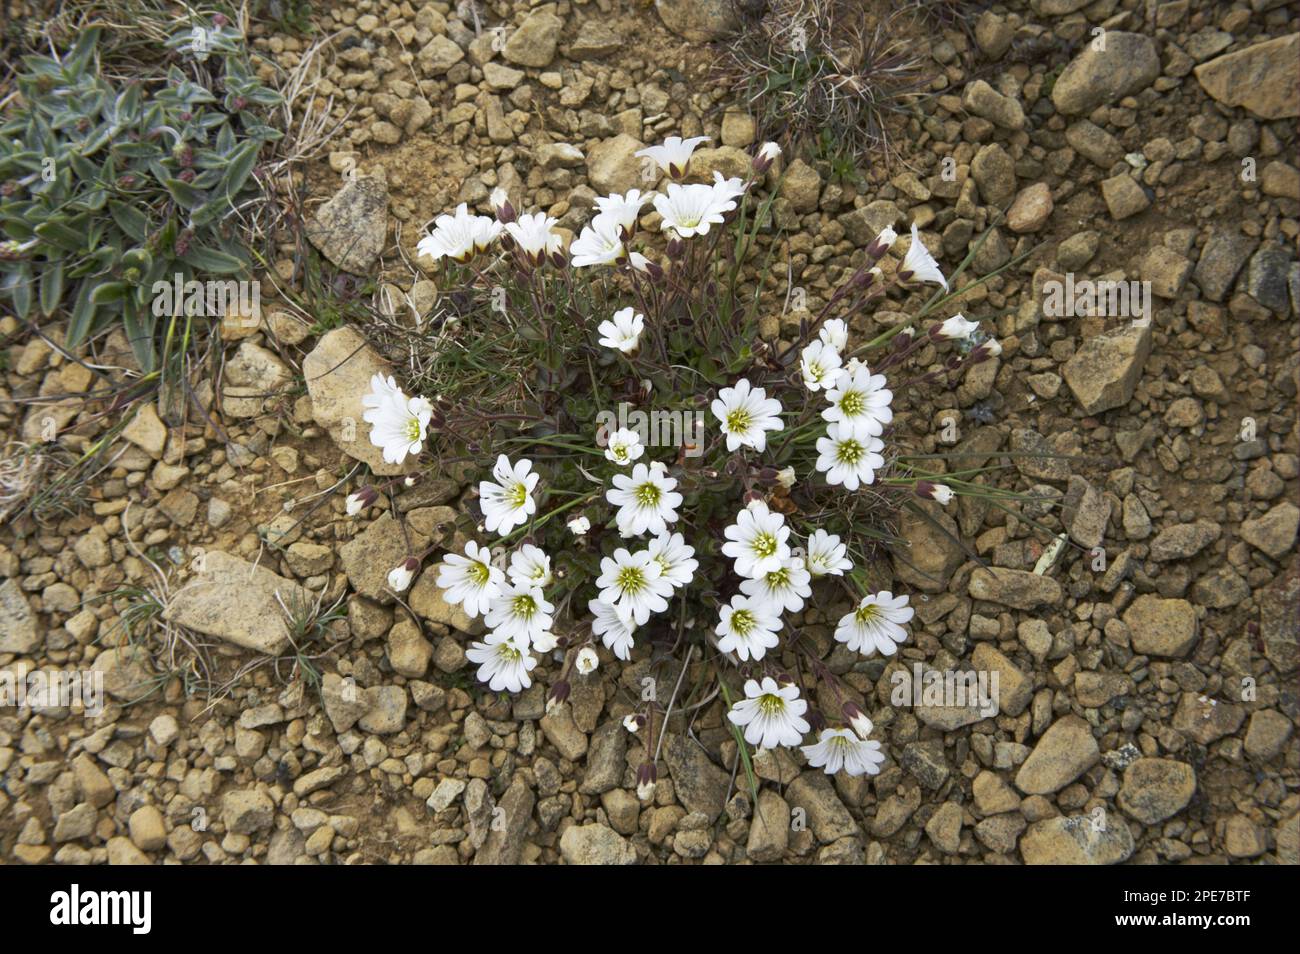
[[646, 776], [362, 499], [505, 212], [929, 490], [767, 154], [857, 719], [558, 695]]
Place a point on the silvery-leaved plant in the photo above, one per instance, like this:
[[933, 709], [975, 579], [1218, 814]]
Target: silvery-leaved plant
[[654, 479]]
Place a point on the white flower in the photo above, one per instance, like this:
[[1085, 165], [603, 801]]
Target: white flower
[[631, 722], [834, 333], [634, 582], [398, 424], [586, 661], [600, 243], [614, 625], [520, 613], [919, 264], [503, 664], [957, 327], [578, 526], [674, 155], [500, 202], [623, 209], [841, 749], [826, 555], [676, 558], [459, 237], [624, 447], [645, 500], [746, 414], [361, 499], [623, 331], [530, 566], [858, 719], [748, 628], [783, 589], [400, 576], [786, 477], [883, 242], [691, 209], [876, 625], [757, 541], [847, 459], [509, 500], [771, 715], [932, 491], [534, 236], [544, 642], [727, 191], [767, 154], [820, 364], [993, 347], [470, 581], [860, 401]]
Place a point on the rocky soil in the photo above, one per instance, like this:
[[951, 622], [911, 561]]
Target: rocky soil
[[1148, 692]]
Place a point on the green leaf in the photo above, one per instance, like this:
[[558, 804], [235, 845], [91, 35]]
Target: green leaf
[[211, 260], [185, 195], [51, 287], [105, 293], [57, 233], [83, 314], [130, 220], [240, 168]]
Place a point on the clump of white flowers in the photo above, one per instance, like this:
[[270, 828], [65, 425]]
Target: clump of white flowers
[[626, 557]]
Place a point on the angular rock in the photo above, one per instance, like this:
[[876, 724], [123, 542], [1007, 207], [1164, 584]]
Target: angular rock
[[595, 844], [351, 228], [1066, 750], [826, 814], [1104, 371], [613, 166], [534, 43], [1156, 789], [1161, 627], [698, 20], [368, 557], [1221, 259], [1076, 841], [933, 552], [1128, 63], [1274, 533], [701, 786], [239, 602], [1020, 589], [1263, 78], [769, 831], [18, 624], [505, 842]]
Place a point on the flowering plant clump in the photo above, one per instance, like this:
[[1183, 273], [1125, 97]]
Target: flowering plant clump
[[653, 475]]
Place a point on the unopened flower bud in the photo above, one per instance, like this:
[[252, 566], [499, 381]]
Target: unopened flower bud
[[505, 212], [929, 490], [400, 576], [881, 244], [857, 719], [558, 695], [767, 154], [362, 499], [646, 776]]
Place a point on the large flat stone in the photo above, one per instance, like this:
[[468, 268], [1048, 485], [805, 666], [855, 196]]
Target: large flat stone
[[235, 600]]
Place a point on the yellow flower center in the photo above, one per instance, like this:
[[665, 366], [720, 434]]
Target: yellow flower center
[[631, 579], [770, 704], [764, 544], [865, 614], [412, 430], [738, 421], [524, 606], [742, 621], [848, 452], [647, 495], [852, 403], [517, 494], [479, 573]]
